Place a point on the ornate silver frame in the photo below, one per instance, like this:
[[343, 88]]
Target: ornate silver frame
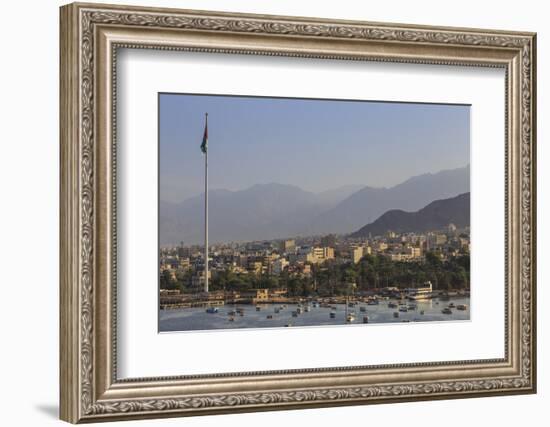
[[90, 36]]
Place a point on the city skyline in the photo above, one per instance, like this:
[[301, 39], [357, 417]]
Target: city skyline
[[250, 138]]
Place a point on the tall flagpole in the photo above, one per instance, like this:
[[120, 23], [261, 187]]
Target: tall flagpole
[[206, 213]]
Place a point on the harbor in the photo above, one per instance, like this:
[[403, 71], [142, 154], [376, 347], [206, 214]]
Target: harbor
[[315, 313]]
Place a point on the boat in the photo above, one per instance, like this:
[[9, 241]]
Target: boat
[[421, 293], [412, 307], [392, 305], [276, 311], [451, 305], [365, 319], [258, 308], [403, 309], [395, 314], [461, 307], [212, 310], [372, 302], [299, 310], [231, 319], [350, 317], [288, 325], [332, 315], [447, 310], [294, 314], [269, 316], [362, 309], [307, 308], [422, 312]]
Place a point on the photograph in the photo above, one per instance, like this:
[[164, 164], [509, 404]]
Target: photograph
[[291, 212]]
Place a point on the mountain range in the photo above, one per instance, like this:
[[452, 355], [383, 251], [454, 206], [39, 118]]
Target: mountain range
[[436, 215], [275, 211]]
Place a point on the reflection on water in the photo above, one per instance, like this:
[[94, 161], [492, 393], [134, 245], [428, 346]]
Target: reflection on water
[[280, 315]]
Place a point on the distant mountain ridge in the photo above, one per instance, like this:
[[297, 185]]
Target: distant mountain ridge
[[369, 203], [276, 211], [434, 216]]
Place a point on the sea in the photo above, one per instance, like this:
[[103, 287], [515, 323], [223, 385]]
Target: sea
[[197, 319]]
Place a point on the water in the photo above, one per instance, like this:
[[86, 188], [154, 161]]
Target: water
[[195, 319]]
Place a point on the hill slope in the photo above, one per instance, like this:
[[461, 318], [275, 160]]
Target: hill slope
[[436, 215]]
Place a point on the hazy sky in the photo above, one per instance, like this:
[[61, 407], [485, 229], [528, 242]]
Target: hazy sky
[[316, 145]]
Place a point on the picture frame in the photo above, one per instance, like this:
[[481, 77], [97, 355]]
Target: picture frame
[[91, 36]]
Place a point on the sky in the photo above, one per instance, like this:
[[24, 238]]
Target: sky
[[316, 145]]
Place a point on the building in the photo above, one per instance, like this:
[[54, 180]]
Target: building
[[323, 253], [288, 245], [357, 254], [279, 265], [197, 280]]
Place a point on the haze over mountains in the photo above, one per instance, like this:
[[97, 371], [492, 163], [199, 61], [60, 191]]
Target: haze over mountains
[[275, 211], [436, 215]]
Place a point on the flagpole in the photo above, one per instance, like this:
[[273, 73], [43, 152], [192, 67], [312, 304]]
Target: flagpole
[[206, 215]]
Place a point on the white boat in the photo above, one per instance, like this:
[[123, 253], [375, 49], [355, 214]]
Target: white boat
[[421, 293], [461, 307], [212, 310], [350, 317]]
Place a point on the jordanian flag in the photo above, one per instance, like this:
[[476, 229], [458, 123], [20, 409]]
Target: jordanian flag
[[204, 145]]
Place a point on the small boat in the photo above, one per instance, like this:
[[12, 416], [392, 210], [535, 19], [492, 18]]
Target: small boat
[[231, 319], [422, 312], [461, 307], [451, 305], [403, 309], [258, 308], [412, 307], [232, 313], [269, 316], [365, 319], [288, 325], [392, 305], [299, 310], [447, 310], [276, 311], [307, 308], [396, 314], [212, 310], [350, 318], [294, 314], [372, 302], [362, 309], [332, 315]]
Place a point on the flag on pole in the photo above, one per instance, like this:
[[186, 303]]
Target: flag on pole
[[204, 145]]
